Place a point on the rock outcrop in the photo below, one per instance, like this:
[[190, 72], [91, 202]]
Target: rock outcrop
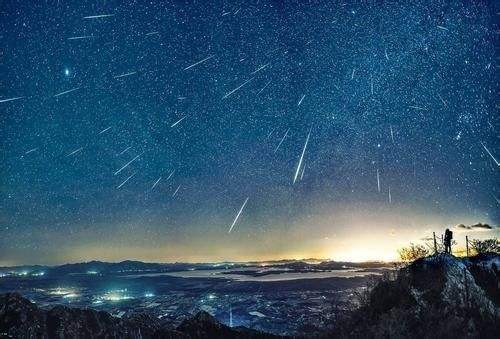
[[440, 296]]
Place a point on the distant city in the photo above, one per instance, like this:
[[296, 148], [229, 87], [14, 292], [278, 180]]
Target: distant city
[[287, 297]]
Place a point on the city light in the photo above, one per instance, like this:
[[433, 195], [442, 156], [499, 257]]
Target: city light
[[65, 292], [113, 296]]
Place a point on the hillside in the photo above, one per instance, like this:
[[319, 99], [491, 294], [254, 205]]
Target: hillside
[[440, 296], [20, 318]]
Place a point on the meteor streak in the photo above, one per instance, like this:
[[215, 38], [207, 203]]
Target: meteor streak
[[301, 157], [104, 130], [81, 37], [66, 92], [260, 68], [301, 99], [263, 88], [170, 175], [125, 150], [123, 183], [156, 183], [75, 151], [10, 99], [199, 62], [281, 141], [124, 75], [177, 190], [491, 155], [98, 16], [178, 121], [128, 163], [378, 181], [237, 216], [31, 150], [237, 88]]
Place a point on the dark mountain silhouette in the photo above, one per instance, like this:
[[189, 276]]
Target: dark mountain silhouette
[[20, 318], [131, 266], [440, 296]]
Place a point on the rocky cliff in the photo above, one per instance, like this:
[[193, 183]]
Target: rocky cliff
[[440, 296]]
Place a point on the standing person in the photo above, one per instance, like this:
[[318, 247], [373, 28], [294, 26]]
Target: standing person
[[448, 236]]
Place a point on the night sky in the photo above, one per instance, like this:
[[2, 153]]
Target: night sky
[[205, 131]]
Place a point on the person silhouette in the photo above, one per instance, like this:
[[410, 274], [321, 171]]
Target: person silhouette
[[448, 236]]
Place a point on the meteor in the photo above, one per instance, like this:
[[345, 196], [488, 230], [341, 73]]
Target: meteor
[[104, 130], [301, 157], [31, 150], [128, 163], [199, 62], [75, 151], [81, 37], [178, 121], [10, 99], [123, 183], [156, 183], [260, 68], [66, 92], [170, 175], [281, 141], [301, 99], [378, 181], [125, 150], [491, 155], [124, 75], [237, 88], [237, 216], [98, 16], [177, 190], [263, 88]]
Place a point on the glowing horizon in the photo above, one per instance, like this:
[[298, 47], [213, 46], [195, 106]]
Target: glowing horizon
[[283, 130]]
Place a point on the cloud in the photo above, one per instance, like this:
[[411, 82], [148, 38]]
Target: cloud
[[476, 227]]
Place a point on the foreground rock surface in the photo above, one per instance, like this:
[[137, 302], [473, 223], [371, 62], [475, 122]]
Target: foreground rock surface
[[440, 296], [20, 318]]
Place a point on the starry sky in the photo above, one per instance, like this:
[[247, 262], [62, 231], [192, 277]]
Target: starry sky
[[244, 130]]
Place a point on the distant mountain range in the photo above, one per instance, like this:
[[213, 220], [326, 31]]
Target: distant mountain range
[[130, 266]]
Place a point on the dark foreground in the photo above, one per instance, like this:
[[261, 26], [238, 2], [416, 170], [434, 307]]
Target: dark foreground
[[439, 296], [306, 304], [20, 318], [435, 297]]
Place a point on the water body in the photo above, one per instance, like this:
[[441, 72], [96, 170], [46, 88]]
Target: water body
[[270, 276]]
